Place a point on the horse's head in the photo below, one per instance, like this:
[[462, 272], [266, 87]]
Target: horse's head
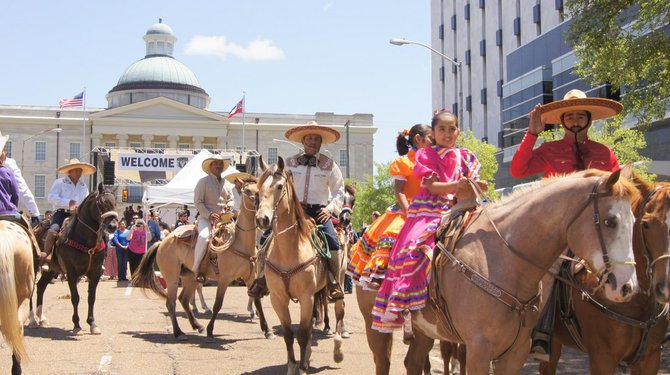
[[601, 232], [348, 206], [100, 207], [652, 239], [250, 195], [273, 194]]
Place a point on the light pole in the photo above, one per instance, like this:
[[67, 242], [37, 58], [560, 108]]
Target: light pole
[[23, 144], [288, 143], [402, 42]]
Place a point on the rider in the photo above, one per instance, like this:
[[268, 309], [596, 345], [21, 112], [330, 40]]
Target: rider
[[575, 152], [319, 185], [66, 195], [212, 196], [26, 197], [9, 189]]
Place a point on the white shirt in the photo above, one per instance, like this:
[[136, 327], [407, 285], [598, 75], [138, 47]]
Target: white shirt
[[26, 197], [321, 185], [212, 195], [63, 191]]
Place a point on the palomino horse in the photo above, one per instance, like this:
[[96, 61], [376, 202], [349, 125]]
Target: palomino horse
[[17, 279], [294, 270], [174, 257], [78, 253], [486, 293], [626, 334]]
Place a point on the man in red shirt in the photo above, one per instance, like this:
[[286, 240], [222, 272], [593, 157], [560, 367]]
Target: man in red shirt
[[575, 152]]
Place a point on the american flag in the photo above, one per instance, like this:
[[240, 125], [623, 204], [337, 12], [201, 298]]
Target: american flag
[[238, 108], [76, 101]]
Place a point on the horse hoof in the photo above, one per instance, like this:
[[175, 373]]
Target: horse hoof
[[208, 311], [33, 324], [209, 339], [346, 334], [327, 331], [201, 329], [95, 331], [44, 323], [269, 335], [182, 337], [77, 332]]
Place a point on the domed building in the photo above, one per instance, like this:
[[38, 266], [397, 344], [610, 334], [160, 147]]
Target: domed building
[[158, 74]]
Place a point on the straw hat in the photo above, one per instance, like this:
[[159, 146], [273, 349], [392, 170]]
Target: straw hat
[[86, 168], [238, 175], [207, 163], [576, 100], [328, 134], [3, 141]]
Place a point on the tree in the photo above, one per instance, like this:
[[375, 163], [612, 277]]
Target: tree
[[627, 44]]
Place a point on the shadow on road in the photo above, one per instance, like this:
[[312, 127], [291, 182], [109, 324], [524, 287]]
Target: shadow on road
[[53, 333], [272, 370], [217, 342]]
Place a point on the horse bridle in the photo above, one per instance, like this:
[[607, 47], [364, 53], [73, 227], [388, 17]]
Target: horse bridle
[[284, 193], [103, 215], [252, 197], [650, 264]]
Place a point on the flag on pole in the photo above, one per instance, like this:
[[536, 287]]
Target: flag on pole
[[238, 108], [76, 101]]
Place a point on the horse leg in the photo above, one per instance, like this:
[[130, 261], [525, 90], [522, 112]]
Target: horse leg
[[381, 344], [649, 364], [187, 292], [92, 289], [513, 361], [338, 355], [37, 318], [417, 355], [461, 359], [601, 363], [203, 304], [16, 365], [318, 314], [282, 311], [478, 359], [171, 304], [218, 303], [447, 351], [74, 299], [261, 318], [305, 333], [549, 368], [250, 308]]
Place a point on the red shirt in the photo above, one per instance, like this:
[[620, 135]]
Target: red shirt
[[560, 157]]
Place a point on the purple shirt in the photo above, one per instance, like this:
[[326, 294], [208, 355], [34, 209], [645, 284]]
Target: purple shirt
[[9, 192], [138, 244]]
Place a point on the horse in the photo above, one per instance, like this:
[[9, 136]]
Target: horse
[[78, 253], [17, 278], [486, 293], [294, 270], [174, 257], [626, 334]]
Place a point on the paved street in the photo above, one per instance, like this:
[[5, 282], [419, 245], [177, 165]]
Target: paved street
[[136, 339]]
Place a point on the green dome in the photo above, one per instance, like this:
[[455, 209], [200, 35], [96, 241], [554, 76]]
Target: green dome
[[160, 28], [158, 69]]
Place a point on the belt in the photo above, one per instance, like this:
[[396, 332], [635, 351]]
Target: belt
[[312, 206]]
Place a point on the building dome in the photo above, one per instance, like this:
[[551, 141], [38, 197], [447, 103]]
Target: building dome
[[158, 74]]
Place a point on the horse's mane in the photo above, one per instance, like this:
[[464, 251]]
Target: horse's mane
[[303, 222], [622, 189], [645, 186], [351, 189]]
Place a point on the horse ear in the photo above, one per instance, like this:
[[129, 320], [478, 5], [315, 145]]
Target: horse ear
[[280, 164], [261, 162], [627, 171], [613, 178], [101, 188], [641, 184]]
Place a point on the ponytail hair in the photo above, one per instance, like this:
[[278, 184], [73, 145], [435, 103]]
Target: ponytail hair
[[405, 139]]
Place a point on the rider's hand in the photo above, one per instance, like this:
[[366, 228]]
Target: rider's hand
[[35, 219], [214, 217], [536, 125], [324, 215]]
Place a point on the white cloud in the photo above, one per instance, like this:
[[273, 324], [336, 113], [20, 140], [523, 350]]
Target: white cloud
[[261, 49]]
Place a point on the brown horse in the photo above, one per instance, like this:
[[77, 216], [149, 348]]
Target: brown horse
[[78, 253], [174, 257], [17, 280], [487, 291], [294, 270], [626, 334]]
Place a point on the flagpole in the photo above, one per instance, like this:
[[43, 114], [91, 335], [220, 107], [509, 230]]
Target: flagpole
[[244, 112], [83, 126]]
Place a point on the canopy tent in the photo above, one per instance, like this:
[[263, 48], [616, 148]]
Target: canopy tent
[[180, 189]]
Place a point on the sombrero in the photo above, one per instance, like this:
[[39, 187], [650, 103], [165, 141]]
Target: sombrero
[[3, 141], [576, 100], [328, 135], [86, 168], [208, 162], [238, 175]]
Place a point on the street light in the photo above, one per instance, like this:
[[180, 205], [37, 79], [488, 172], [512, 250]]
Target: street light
[[402, 42], [288, 143], [23, 145]]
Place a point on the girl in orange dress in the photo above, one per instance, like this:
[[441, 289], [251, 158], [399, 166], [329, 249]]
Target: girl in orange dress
[[370, 255]]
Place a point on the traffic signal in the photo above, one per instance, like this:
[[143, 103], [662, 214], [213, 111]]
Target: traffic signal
[[124, 195], [108, 172]]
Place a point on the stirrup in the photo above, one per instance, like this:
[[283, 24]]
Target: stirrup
[[258, 289], [375, 284], [335, 292], [539, 350]]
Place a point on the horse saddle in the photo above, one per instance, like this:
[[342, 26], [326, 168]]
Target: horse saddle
[[24, 223], [451, 229], [186, 233]]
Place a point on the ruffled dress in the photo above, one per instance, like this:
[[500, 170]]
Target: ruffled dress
[[405, 286], [370, 255]]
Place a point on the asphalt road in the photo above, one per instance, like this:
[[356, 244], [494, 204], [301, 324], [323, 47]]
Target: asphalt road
[[136, 339]]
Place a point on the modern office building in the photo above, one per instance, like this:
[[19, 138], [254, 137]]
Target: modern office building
[[513, 55], [159, 107]]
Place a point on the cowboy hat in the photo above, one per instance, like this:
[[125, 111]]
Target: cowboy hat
[[86, 168], [238, 175], [207, 163], [576, 100], [3, 141], [328, 134]]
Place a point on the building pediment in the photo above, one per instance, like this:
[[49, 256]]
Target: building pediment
[[158, 110]]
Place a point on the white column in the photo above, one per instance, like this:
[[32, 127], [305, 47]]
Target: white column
[[123, 140], [221, 143], [172, 141], [95, 139], [197, 142], [147, 138]]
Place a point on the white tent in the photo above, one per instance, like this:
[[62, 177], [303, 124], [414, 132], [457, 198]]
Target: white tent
[[180, 189]]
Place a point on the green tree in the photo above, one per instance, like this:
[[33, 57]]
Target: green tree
[[485, 153], [625, 43]]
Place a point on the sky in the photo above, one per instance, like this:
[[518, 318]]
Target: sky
[[291, 56]]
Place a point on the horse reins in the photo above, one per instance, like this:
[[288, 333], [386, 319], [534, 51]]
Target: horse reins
[[650, 263]]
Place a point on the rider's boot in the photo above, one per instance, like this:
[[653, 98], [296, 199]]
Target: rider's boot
[[334, 288], [258, 288], [49, 242]]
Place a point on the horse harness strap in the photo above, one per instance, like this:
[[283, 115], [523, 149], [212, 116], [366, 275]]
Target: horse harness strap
[[286, 275], [251, 258]]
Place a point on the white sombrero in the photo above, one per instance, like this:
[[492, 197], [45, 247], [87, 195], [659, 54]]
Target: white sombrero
[[328, 134], [3, 141], [239, 175], [206, 164], [576, 100], [86, 168]]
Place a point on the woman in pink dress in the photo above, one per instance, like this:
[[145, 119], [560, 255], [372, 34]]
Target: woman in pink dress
[[441, 168]]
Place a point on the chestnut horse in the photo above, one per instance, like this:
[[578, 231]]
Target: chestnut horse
[[174, 257], [294, 270], [626, 334], [78, 253], [486, 293], [17, 279]]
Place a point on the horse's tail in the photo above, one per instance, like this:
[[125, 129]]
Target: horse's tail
[[145, 277], [11, 328]]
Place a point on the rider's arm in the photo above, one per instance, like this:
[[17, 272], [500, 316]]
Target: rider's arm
[[526, 161], [55, 195], [199, 198], [26, 196], [336, 187]]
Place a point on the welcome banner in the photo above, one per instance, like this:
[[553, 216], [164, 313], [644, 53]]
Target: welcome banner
[[152, 162]]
